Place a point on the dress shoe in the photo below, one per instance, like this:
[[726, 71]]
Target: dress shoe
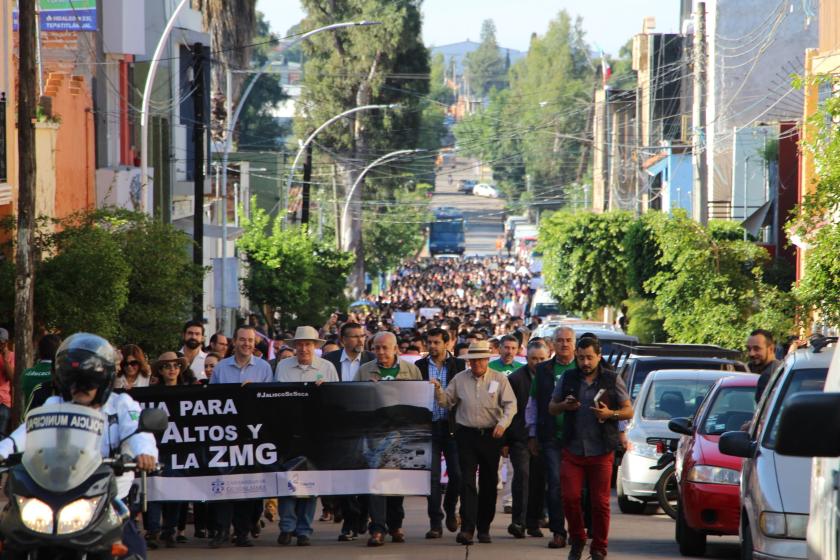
[[244, 541], [516, 530], [464, 538], [557, 541], [535, 532], [220, 539], [452, 522], [597, 555], [348, 536], [303, 540], [397, 536], [576, 550], [484, 538], [284, 538], [376, 539], [434, 533]]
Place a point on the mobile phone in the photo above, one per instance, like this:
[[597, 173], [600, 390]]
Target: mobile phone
[[598, 396]]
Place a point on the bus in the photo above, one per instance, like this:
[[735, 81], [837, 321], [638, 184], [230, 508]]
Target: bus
[[446, 232]]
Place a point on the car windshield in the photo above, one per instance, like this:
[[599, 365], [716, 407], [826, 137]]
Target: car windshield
[[731, 409], [545, 309], [644, 367], [799, 380], [674, 398]]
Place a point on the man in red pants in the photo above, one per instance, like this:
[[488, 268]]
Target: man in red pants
[[593, 399]]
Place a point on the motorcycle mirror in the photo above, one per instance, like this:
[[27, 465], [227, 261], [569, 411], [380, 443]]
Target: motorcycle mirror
[[153, 420]]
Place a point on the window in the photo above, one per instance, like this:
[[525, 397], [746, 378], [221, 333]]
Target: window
[[797, 381], [731, 409], [674, 398]]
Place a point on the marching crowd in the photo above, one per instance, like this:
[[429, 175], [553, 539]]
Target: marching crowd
[[552, 407]]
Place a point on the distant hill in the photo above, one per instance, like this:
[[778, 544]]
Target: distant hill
[[460, 51]]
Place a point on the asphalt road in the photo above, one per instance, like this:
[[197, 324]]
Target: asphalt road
[[632, 537], [484, 216]]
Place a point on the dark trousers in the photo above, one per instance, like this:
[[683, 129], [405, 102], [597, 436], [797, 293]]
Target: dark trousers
[[355, 511], [171, 514], [478, 450], [551, 453], [443, 442], [597, 472], [239, 513], [386, 513], [201, 516], [528, 486]]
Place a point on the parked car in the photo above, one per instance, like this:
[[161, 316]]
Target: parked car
[[810, 427], [665, 394], [483, 189], [775, 488], [707, 480], [544, 304], [466, 186], [634, 363]]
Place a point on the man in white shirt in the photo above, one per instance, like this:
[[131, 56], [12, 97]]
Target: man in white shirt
[[193, 337]]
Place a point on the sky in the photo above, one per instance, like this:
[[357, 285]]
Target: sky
[[608, 23]]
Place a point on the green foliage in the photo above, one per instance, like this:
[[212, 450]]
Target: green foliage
[[290, 273], [258, 129], [623, 75], [396, 232], [817, 220], [644, 321], [643, 252], [485, 66], [584, 261], [84, 286], [113, 272]]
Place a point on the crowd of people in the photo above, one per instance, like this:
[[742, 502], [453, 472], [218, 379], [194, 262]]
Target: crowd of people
[[499, 393]]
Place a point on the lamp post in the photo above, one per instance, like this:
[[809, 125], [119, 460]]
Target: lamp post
[[144, 111], [322, 127], [384, 159]]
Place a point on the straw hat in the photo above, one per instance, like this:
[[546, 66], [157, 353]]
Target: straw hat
[[307, 333], [170, 357], [478, 350]]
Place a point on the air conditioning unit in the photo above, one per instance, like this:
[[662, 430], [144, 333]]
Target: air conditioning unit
[[119, 187], [685, 129], [5, 194]]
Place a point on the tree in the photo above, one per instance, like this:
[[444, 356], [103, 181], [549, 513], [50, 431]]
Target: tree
[[353, 67], [485, 66], [395, 232], [584, 262], [258, 128], [289, 273]]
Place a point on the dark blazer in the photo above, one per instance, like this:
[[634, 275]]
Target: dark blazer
[[520, 382], [453, 366], [335, 359]]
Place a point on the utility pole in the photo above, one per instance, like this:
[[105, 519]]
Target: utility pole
[[699, 194], [25, 250], [335, 207], [199, 133], [307, 180]]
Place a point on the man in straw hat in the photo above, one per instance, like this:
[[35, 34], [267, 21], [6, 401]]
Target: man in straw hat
[[486, 406], [297, 514]]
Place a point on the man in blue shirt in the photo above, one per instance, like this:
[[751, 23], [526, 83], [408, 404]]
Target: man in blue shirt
[[241, 368]]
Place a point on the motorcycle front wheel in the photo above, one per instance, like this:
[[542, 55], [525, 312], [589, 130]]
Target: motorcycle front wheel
[[667, 492]]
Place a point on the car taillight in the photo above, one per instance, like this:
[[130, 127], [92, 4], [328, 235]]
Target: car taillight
[[661, 447]]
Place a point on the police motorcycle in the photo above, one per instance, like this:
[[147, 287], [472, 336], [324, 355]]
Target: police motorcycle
[[63, 495]]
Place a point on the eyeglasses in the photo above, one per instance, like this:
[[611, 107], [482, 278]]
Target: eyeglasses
[[133, 363], [171, 365]]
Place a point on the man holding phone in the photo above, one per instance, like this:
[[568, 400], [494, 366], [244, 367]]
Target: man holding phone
[[593, 400]]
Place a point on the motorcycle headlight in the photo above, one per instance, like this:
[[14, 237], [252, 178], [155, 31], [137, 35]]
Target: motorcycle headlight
[[75, 516], [714, 475], [783, 525], [35, 514]]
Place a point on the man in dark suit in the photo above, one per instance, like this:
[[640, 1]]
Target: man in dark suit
[[442, 366], [528, 486], [347, 362]]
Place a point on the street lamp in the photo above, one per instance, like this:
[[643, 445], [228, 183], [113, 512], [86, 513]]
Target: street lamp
[[144, 111], [322, 127], [384, 159]]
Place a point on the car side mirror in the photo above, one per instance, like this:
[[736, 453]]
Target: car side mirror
[[153, 420], [681, 426], [810, 425], [737, 444]]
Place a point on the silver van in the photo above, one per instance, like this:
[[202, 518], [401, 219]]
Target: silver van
[[775, 488]]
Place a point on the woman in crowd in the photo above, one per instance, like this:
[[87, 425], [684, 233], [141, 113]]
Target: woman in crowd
[[134, 368]]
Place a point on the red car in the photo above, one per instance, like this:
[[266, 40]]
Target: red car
[[708, 481]]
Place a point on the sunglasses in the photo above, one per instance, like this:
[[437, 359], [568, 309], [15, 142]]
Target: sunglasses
[[171, 365], [132, 363]]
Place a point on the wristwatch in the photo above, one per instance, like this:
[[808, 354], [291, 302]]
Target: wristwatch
[[615, 415]]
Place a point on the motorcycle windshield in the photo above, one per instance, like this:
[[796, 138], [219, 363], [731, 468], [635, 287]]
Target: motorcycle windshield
[[63, 443]]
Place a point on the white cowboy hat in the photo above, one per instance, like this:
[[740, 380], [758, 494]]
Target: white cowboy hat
[[307, 333], [478, 350]]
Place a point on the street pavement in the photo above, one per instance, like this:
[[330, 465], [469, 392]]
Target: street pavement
[[484, 216], [632, 537]]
